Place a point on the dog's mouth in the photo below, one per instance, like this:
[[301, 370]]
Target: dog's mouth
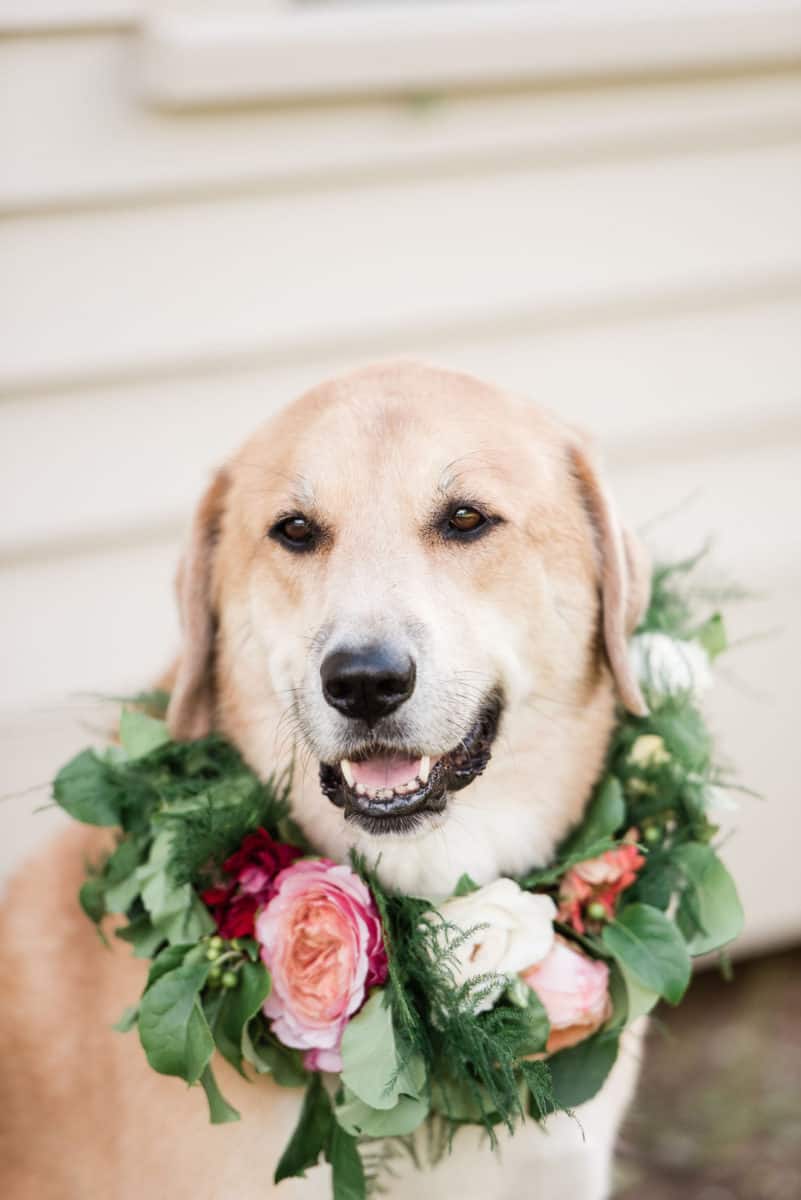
[[390, 791]]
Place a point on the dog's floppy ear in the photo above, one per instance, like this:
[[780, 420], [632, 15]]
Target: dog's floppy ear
[[190, 713], [625, 577]]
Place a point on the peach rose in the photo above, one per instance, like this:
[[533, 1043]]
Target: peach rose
[[574, 991], [321, 940], [599, 881]]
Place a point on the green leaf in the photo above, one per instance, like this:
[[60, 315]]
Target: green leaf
[[347, 1170], [268, 1056], [538, 1026], [311, 1135], [174, 908], [712, 636], [89, 790], [577, 1074], [371, 1066], [238, 1006], [127, 1020], [359, 1119], [140, 934], [220, 1111], [640, 1000], [167, 960], [605, 815], [140, 734], [465, 886], [712, 915], [172, 1028], [647, 943], [92, 898]]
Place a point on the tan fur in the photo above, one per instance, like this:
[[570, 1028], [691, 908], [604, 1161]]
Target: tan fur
[[542, 606]]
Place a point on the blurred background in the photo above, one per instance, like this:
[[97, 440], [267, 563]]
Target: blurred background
[[207, 206]]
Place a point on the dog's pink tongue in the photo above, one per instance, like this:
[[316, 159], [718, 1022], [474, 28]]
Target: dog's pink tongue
[[385, 771]]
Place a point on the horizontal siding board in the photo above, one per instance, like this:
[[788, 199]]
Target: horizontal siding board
[[694, 377], [105, 293], [87, 139]]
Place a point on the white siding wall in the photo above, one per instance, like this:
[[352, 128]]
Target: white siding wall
[[627, 251]]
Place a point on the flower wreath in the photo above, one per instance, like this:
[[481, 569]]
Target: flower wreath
[[499, 1003]]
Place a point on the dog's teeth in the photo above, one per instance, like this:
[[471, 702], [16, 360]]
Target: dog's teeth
[[425, 768], [385, 793], [347, 771], [361, 790]]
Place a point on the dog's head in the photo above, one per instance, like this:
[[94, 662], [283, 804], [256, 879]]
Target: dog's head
[[418, 589]]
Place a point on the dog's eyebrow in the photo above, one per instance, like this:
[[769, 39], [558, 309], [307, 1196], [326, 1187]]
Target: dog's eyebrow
[[459, 467], [302, 493]]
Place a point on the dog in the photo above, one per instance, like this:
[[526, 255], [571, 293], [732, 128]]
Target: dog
[[415, 589]]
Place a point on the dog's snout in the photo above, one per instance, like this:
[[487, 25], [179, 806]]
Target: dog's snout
[[369, 683]]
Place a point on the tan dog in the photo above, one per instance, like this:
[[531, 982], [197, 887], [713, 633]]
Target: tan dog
[[403, 571]]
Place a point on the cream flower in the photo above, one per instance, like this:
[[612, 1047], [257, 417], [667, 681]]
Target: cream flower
[[507, 930], [669, 665]]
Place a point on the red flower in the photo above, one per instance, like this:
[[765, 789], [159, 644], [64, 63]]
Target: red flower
[[599, 881], [254, 866]]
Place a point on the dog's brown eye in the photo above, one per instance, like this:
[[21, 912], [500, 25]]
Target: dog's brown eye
[[466, 520], [296, 532]]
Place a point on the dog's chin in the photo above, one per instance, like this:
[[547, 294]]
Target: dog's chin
[[388, 789]]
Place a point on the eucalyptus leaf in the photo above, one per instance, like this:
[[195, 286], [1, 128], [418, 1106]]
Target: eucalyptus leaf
[[172, 1028], [712, 636], [220, 1111], [238, 1006], [717, 915], [371, 1066], [647, 943], [140, 734], [578, 1074], [268, 1056], [92, 898], [347, 1170], [173, 908], [127, 1020], [605, 815], [88, 789], [360, 1120], [311, 1136], [465, 886], [141, 935]]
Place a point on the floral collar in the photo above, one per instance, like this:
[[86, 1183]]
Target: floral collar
[[502, 1003]]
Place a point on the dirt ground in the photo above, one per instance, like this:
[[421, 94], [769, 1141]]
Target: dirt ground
[[718, 1112]]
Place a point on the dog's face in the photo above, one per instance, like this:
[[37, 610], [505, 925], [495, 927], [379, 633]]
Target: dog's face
[[415, 587]]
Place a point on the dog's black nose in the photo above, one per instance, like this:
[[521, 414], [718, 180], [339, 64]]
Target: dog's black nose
[[367, 684]]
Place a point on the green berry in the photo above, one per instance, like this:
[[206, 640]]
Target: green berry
[[652, 834], [230, 979], [212, 953], [236, 944], [596, 911], [216, 943], [215, 974]]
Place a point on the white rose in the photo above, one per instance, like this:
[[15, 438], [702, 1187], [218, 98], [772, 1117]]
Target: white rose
[[511, 930], [669, 665]]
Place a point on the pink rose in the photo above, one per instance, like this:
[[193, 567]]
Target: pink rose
[[599, 881], [574, 991], [321, 940]]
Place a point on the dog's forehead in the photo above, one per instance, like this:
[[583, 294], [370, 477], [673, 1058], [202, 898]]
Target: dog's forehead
[[407, 429]]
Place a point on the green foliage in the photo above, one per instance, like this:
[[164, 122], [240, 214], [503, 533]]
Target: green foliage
[[648, 944], [579, 1073], [710, 914]]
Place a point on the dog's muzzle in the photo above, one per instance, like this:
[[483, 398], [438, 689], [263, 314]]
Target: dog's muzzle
[[386, 790]]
